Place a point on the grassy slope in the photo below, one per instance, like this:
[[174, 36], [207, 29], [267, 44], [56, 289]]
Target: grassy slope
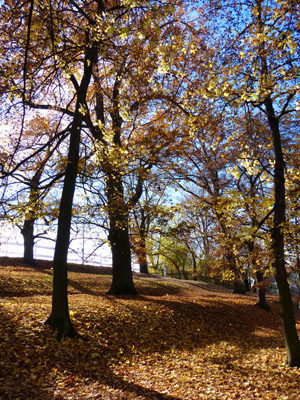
[[176, 340]]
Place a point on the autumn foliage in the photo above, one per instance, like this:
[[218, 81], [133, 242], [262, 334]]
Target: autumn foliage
[[176, 340], [103, 100]]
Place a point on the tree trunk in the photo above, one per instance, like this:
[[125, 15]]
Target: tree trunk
[[142, 251], [31, 216], [122, 282], [28, 236], [238, 284], [246, 282], [292, 342], [144, 268], [60, 317], [142, 258], [185, 275], [231, 264], [261, 292], [194, 267]]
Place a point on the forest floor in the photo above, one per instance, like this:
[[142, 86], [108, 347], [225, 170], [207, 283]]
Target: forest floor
[[176, 340]]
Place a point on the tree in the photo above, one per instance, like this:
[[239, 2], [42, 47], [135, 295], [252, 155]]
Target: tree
[[203, 159], [261, 69], [199, 234], [123, 36], [28, 178], [268, 104], [139, 243], [144, 216], [129, 123], [59, 317], [251, 193]]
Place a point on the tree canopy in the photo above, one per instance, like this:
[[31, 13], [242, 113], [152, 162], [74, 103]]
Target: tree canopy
[[172, 126]]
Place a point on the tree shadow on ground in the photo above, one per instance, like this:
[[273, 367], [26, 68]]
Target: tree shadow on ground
[[188, 324], [150, 325], [16, 376], [34, 360]]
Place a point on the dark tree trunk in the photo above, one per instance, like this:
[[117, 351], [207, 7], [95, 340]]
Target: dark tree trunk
[[194, 267], [142, 258], [287, 312], [31, 216], [238, 284], [118, 209], [144, 268], [28, 237], [246, 282], [185, 275], [60, 317], [261, 292], [142, 251], [122, 279], [122, 282]]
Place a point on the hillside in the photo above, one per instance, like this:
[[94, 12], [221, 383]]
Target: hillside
[[175, 340]]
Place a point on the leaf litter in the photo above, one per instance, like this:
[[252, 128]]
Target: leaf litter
[[175, 340]]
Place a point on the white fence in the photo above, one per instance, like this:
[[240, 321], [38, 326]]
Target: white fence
[[15, 249], [42, 252]]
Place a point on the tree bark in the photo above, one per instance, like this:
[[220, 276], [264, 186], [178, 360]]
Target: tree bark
[[292, 342], [60, 317], [142, 258], [142, 251], [238, 284], [28, 237], [31, 216], [122, 282], [118, 209], [261, 292]]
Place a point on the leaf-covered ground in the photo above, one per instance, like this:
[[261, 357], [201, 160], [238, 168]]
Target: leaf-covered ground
[[176, 340]]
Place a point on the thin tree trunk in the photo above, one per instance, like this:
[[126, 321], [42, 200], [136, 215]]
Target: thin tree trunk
[[60, 317], [142, 257], [194, 267], [287, 312], [142, 251], [28, 237], [31, 216]]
